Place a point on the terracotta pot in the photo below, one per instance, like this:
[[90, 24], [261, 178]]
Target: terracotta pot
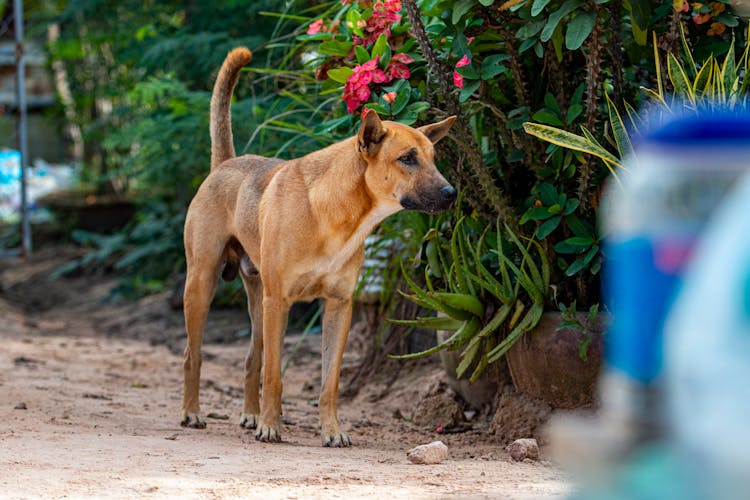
[[545, 362]]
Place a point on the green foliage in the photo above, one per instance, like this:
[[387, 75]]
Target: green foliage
[[571, 319], [713, 82], [489, 291]]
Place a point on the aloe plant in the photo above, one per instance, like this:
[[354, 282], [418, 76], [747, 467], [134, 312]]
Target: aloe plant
[[475, 302]]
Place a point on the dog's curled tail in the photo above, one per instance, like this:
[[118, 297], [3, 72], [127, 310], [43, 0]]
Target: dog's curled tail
[[222, 147]]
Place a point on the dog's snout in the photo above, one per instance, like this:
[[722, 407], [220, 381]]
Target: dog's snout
[[448, 193]]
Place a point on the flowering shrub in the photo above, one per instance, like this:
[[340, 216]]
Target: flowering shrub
[[715, 14], [369, 55], [497, 65]]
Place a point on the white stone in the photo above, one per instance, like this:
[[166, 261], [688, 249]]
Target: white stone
[[432, 453], [521, 449]]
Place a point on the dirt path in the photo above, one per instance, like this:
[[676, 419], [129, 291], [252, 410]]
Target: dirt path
[[101, 419]]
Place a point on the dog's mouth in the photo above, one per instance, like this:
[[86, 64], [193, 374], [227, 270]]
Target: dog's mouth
[[435, 202]]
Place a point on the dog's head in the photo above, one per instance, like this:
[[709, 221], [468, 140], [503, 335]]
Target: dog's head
[[401, 163]]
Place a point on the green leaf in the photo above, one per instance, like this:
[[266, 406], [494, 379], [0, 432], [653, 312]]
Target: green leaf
[[418, 107], [570, 141], [577, 266], [385, 59], [536, 213], [624, 146], [530, 29], [546, 228], [526, 45], [528, 322], [729, 69], [554, 19], [467, 358], [486, 3], [430, 323], [547, 193], [461, 8], [640, 13], [579, 29], [335, 48], [578, 227], [551, 103], [468, 89], [679, 79], [491, 66], [538, 6], [378, 49], [401, 100], [579, 241], [468, 71], [463, 301], [459, 338], [557, 42], [340, 75], [571, 205], [548, 118], [362, 55]]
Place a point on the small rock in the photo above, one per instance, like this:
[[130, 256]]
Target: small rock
[[521, 449], [217, 416], [20, 406], [432, 453]]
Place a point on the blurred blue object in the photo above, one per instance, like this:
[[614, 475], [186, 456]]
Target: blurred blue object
[[675, 392], [707, 356]]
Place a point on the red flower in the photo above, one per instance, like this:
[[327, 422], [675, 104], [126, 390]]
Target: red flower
[[357, 86], [464, 61], [701, 18], [397, 67], [315, 27], [385, 13], [389, 97], [458, 80]]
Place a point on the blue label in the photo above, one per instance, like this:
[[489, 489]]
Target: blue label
[[641, 279]]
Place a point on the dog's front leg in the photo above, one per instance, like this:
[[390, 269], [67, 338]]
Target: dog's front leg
[[275, 314], [336, 322]]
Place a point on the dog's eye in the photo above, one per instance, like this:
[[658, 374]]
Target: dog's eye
[[409, 159]]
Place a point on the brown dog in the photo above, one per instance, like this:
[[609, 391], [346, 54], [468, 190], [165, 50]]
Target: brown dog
[[295, 230]]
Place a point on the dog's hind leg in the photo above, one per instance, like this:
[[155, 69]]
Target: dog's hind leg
[[200, 286], [254, 359], [336, 322]]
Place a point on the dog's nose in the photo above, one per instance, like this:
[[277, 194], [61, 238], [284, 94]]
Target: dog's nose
[[448, 193]]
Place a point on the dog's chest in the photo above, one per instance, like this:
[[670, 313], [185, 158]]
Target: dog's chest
[[333, 269], [331, 273]]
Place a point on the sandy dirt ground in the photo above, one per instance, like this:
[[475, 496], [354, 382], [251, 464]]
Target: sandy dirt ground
[[92, 411]]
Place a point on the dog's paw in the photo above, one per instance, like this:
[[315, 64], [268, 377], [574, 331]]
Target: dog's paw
[[338, 440], [248, 421], [267, 434], [193, 421]]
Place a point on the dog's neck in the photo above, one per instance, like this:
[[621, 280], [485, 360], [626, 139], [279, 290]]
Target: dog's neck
[[340, 194], [350, 206]]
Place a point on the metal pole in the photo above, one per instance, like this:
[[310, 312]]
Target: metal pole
[[21, 124]]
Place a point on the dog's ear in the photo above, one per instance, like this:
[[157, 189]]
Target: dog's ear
[[437, 131], [371, 133]]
